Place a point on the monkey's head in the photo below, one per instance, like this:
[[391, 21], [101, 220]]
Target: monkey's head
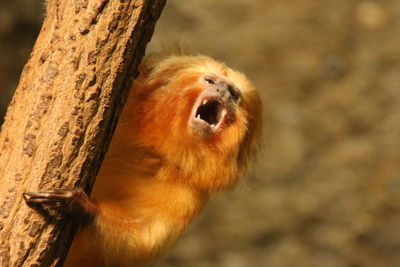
[[202, 116]]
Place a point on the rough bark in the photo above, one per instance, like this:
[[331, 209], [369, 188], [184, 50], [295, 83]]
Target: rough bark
[[63, 113]]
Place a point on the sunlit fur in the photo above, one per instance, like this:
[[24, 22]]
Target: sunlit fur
[[159, 172]]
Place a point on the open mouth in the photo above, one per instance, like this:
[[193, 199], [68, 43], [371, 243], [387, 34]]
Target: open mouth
[[208, 114], [210, 111]]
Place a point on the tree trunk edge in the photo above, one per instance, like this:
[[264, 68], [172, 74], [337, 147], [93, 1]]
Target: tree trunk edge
[[33, 227]]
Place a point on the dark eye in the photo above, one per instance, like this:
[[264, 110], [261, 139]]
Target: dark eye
[[209, 80], [234, 93]]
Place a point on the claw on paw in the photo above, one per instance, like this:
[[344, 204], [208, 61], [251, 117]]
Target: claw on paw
[[72, 201], [57, 195]]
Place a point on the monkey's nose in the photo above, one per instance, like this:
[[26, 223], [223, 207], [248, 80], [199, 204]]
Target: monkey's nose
[[220, 87], [222, 90], [226, 91]]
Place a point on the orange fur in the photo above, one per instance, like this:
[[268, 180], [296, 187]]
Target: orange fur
[[158, 171]]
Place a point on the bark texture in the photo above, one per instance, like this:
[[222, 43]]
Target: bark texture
[[63, 113]]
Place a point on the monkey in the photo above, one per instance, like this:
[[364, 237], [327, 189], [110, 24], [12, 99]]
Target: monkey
[[190, 128]]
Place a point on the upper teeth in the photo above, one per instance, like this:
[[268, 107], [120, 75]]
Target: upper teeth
[[205, 101]]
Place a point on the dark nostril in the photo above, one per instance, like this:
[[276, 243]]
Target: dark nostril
[[221, 89]]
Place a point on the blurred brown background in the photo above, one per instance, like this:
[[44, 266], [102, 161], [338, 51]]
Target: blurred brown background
[[326, 190]]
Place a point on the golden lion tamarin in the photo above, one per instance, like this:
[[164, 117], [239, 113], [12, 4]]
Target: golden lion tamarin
[[189, 128]]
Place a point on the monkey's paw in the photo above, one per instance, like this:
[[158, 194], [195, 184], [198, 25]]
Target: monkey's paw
[[73, 201]]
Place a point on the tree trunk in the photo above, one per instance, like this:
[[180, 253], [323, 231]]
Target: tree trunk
[[63, 113]]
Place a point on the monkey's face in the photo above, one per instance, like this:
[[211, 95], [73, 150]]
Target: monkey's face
[[199, 114], [215, 106]]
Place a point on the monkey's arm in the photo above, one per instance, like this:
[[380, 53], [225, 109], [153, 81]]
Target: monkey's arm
[[73, 201], [107, 228]]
